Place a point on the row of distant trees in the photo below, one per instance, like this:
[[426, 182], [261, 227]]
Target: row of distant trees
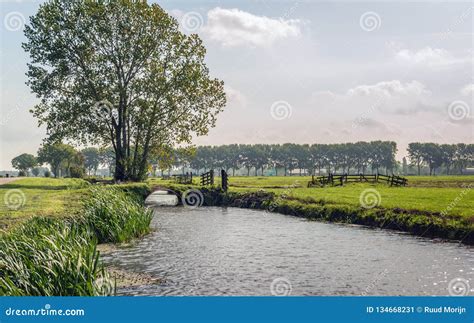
[[455, 157], [259, 159], [64, 160], [305, 158], [359, 157]]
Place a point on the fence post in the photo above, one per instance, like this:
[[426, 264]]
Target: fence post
[[224, 180]]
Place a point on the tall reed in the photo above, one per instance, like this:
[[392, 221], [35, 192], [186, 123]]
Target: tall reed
[[46, 257], [114, 216]]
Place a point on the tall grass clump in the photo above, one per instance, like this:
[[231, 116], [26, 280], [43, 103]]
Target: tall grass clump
[[47, 257], [114, 216]]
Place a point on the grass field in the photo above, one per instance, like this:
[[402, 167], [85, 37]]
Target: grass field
[[450, 194], [423, 193], [51, 197]]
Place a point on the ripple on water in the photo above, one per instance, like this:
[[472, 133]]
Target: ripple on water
[[230, 251]]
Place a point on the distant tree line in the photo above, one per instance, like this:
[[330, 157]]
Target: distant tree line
[[455, 157], [359, 157], [64, 161], [261, 159], [286, 158]]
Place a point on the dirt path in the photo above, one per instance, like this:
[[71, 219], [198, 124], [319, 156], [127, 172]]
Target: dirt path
[[7, 180]]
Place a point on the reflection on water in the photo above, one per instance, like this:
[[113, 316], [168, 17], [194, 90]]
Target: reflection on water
[[219, 251]]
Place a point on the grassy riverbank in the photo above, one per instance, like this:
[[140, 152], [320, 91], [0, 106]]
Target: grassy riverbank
[[53, 250], [429, 206]]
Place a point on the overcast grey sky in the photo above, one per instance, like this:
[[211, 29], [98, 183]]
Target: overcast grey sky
[[301, 71]]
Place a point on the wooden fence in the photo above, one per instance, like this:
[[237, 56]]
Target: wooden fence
[[184, 178], [340, 179], [225, 180], [207, 178]]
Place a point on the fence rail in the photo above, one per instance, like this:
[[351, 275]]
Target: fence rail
[[340, 179], [184, 178], [207, 178]]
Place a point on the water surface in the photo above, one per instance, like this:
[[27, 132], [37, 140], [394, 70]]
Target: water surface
[[231, 251]]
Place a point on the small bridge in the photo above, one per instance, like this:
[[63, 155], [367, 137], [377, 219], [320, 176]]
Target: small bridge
[[340, 179]]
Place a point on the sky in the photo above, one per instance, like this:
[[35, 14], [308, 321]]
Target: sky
[[301, 71]]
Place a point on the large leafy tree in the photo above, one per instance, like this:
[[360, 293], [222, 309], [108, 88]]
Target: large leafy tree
[[24, 162], [119, 73], [57, 155], [91, 159]]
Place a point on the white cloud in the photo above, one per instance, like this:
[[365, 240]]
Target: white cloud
[[234, 27], [468, 90], [428, 56], [390, 89], [386, 97], [235, 97]]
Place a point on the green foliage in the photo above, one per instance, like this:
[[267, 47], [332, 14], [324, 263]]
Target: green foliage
[[92, 159], [160, 93], [59, 155], [24, 162], [47, 173], [76, 172], [46, 257], [50, 256], [115, 217]]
